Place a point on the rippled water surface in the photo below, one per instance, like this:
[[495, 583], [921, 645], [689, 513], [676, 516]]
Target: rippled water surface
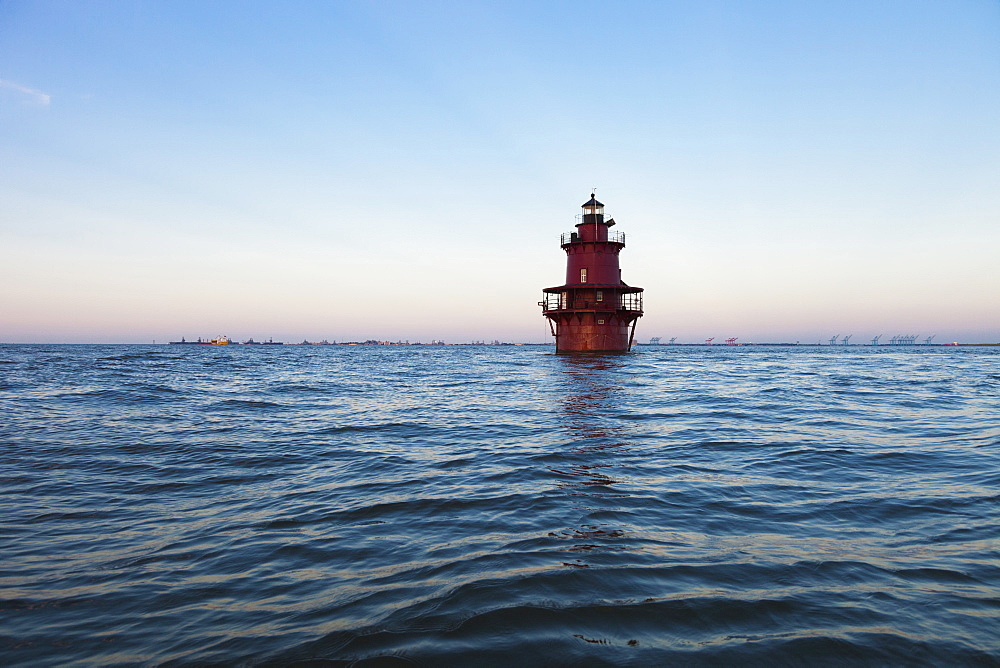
[[459, 505]]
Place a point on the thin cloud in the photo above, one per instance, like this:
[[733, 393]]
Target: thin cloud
[[35, 95]]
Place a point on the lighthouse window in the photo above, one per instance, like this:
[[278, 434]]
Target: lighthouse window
[[600, 296], [600, 322], [583, 275]]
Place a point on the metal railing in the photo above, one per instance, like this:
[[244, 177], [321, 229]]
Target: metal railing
[[564, 301], [574, 237]]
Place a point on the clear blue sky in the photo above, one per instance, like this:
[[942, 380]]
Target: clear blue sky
[[783, 170]]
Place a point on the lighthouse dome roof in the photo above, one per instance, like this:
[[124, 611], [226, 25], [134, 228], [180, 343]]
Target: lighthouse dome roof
[[592, 202]]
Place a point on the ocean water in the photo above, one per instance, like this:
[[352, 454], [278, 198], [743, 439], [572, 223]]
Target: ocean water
[[495, 505]]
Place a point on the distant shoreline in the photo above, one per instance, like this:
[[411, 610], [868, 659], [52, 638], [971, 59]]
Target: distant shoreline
[[438, 344]]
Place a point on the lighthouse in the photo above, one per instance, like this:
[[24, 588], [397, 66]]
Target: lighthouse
[[594, 311]]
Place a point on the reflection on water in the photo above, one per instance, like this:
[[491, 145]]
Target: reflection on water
[[593, 399], [591, 385], [592, 402]]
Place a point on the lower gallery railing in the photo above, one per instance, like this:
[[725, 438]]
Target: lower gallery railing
[[557, 301]]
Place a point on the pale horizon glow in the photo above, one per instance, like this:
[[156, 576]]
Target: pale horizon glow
[[350, 171]]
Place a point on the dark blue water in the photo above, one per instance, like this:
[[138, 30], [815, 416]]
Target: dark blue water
[[444, 506]]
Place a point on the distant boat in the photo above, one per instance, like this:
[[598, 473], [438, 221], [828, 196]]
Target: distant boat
[[251, 342], [221, 341], [185, 342], [272, 342]]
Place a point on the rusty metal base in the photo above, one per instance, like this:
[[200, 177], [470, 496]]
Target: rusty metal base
[[583, 332]]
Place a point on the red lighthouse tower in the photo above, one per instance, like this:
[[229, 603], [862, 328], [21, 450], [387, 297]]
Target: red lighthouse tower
[[595, 311]]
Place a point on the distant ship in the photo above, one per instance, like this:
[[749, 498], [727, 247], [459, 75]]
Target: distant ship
[[224, 341], [185, 342]]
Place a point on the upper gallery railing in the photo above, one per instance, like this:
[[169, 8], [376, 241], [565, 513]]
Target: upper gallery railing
[[574, 237]]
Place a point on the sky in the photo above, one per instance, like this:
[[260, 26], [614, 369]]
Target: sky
[[783, 170]]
